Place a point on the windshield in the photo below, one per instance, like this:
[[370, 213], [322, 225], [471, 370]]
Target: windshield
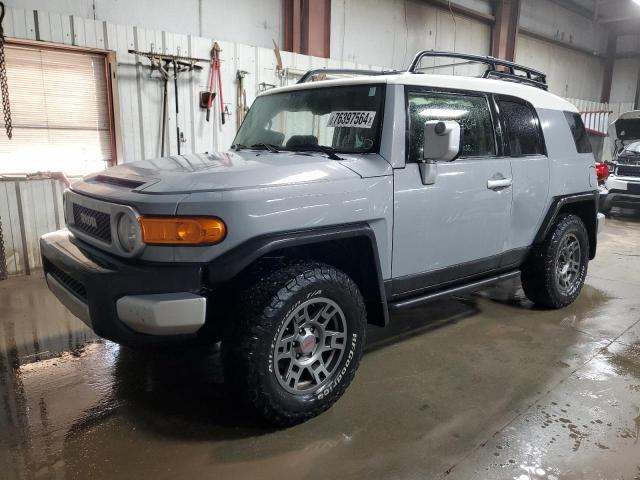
[[346, 118]]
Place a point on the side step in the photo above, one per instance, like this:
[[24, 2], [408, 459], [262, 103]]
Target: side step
[[467, 287]]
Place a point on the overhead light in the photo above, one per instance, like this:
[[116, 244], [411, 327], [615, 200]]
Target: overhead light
[[637, 2]]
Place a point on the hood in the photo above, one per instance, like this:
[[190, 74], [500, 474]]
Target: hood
[[626, 129], [223, 171]]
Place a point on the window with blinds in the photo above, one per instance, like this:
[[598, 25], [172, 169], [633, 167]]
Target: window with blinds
[[60, 112]]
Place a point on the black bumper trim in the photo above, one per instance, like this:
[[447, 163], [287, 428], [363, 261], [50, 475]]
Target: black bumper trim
[[105, 279]]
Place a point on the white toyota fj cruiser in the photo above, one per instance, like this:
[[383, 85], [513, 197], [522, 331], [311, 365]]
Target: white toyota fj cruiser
[[340, 201]]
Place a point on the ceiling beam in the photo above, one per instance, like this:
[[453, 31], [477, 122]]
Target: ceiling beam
[[609, 61], [504, 34], [307, 26]]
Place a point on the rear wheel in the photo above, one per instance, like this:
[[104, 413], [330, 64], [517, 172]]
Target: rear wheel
[[554, 274], [296, 341]]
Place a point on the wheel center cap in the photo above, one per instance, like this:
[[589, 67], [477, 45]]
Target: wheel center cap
[[307, 343]]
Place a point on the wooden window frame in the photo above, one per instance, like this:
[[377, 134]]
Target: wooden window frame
[[110, 68]]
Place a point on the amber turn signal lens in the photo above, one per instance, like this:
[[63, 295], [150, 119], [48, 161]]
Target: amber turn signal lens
[[182, 230]]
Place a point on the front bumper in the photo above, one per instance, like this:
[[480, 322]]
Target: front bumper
[[131, 303]]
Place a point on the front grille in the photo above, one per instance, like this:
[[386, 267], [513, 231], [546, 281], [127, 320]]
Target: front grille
[[628, 170], [92, 222], [67, 280]]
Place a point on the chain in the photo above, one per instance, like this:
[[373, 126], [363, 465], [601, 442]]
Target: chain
[[3, 258], [4, 86]]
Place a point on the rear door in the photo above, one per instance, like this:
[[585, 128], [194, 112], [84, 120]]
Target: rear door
[[457, 227], [524, 143]]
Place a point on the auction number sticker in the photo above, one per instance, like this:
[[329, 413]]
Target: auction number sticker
[[354, 118]]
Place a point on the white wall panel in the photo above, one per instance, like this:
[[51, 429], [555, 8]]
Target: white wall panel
[[549, 19], [390, 33], [625, 80], [569, 73], [28, 209], [253, 22]]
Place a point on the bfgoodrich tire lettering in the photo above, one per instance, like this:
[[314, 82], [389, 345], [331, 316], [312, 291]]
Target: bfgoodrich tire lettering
[[555, 271], [296, 341]]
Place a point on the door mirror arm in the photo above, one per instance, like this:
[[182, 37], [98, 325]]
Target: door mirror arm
[[428, 171]]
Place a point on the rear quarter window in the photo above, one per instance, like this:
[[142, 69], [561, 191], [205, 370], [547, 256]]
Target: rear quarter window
[[580, 137], [522, 130]]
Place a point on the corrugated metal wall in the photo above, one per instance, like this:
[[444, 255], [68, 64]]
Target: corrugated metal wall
[[28, 209]]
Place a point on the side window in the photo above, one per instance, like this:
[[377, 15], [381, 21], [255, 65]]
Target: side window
[[521, 129], [470, 111], [579, 132]]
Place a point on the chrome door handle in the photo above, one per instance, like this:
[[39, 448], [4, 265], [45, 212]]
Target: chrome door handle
[[499, 183]]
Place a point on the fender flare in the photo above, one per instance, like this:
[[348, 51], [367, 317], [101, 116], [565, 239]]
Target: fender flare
[[231, 263], [558, 203]]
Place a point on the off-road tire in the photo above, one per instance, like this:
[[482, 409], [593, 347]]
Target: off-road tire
[[262, 309], [539, 274]]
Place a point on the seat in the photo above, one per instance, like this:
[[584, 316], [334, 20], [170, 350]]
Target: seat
[[297, 140]]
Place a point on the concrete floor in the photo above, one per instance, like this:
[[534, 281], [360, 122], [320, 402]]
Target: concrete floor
[[483, 387]]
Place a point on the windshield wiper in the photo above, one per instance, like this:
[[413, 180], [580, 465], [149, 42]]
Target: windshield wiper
[[267, 146], [330, 151], [238, 146]]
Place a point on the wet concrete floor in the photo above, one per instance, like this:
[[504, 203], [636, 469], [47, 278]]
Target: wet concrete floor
[[479, 387]]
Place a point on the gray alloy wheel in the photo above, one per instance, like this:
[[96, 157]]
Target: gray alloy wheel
[[310, 345], [295, 341], [555, 270], [568, 264]]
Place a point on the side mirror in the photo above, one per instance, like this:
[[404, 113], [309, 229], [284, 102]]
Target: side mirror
[[441, 144], [441, 140]]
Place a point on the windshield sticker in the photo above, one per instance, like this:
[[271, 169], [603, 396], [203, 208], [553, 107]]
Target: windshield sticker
[[354, 119]]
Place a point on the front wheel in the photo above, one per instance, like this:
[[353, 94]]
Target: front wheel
[[296, 342], [555, 272]]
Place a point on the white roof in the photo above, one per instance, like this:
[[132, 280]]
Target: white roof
[[536, 96]]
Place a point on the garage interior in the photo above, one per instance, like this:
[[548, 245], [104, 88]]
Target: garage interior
[[481, 385]]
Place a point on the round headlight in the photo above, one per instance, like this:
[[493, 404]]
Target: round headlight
[[127, 232]]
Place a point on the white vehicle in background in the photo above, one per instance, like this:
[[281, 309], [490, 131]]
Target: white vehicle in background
[[620, 178]]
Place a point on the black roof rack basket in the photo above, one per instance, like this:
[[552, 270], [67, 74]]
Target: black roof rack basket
[[510, 71]]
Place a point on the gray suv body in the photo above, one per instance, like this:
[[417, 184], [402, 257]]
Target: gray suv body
[[340, 201]]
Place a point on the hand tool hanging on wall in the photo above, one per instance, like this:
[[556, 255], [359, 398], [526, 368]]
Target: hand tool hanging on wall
[[4, 86], [169, 67], [215, 72], [241, 109], [211, 94]]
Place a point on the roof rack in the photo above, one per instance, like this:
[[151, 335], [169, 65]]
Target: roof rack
[[341, 71], [511, 71]]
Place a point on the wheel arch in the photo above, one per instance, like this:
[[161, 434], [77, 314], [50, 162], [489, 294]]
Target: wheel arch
[[583, 205], [351, 248]]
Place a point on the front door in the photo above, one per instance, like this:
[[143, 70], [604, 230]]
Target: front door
[[457, 227]]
